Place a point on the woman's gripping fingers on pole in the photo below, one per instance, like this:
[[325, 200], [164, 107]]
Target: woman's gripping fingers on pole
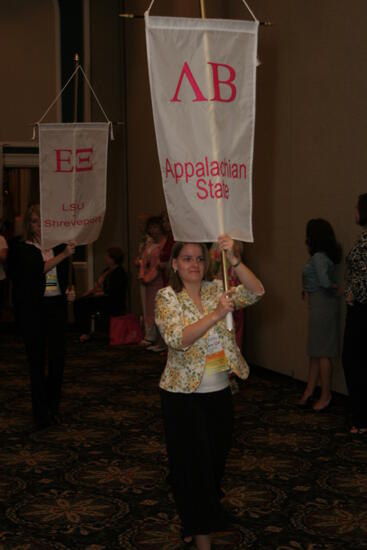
[[70, 248], [226, 243]]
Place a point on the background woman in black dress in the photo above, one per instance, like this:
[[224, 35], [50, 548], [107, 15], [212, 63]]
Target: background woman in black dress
[[40, 282]]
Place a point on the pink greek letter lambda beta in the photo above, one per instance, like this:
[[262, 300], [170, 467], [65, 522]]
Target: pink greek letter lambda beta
[[228, 82], [217, 83], [194, 85]]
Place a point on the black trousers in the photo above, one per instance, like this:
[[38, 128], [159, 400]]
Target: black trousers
[[354, 359], [43, 331], [198, 430]]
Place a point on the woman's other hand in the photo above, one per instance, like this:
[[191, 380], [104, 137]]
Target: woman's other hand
[[225, 305]]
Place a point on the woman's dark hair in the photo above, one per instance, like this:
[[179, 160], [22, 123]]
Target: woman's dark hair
[[174, 279], [154, 220], [362, 209], [116, 254], [320, 237]]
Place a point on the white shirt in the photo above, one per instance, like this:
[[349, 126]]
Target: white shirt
[[52, 283]]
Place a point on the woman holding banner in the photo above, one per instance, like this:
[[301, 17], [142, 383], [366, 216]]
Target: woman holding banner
[[40, 280], [196, 399]]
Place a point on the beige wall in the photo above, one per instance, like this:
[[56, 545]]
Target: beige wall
[[30, 65], [311, 116]]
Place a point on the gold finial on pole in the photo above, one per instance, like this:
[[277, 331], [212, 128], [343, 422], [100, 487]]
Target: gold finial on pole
[[202, 9], [131, 16]]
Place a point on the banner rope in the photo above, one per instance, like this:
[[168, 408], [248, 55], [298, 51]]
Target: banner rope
[[151, 4], [250, 10], [79, 67]]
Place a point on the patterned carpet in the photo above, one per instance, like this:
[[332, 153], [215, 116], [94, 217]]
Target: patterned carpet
[[295, 480]]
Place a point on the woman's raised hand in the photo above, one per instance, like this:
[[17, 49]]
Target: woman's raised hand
[[226, 244], [70, 248]]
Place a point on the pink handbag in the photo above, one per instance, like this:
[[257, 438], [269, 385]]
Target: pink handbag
[[125, 329]]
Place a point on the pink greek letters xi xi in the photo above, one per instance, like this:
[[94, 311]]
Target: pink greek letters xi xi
[[82, 158], [218, 84]]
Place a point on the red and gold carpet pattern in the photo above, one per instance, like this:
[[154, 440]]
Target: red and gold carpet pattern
[[295, 480]]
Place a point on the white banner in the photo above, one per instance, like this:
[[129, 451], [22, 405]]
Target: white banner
[[73, 170], [203, 82]]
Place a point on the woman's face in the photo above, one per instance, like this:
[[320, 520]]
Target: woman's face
[[190, 264], [166, 223], [155, 232], [142, 221], [110, 262], [35, 226]]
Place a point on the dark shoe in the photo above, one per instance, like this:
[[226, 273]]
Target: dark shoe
[[323, 408], [56, 419], [43, 424], [305, 404]]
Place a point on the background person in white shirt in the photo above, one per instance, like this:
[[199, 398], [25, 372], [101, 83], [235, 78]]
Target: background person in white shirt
[[40, 290]]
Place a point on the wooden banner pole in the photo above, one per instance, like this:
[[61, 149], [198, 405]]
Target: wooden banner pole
[[229, 316], [75, 119]]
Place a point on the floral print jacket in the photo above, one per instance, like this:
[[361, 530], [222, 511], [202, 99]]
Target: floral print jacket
[[356, 276], [173, 312]]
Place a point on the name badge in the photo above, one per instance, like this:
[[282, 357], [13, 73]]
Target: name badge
[[51, 282], [216, 360]]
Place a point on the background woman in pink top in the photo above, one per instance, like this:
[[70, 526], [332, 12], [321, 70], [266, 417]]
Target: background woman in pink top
[[150, 275]]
